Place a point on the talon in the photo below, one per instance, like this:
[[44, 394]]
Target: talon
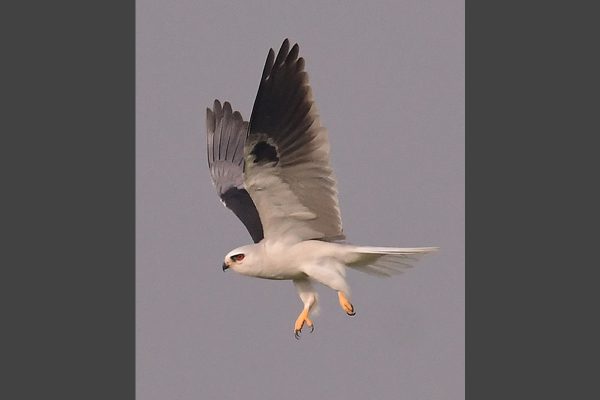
[[351, 313], [346, 305], [302, 319], [310, 324]]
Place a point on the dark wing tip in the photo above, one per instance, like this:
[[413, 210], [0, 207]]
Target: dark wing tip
[[283, 52], [284, 56], [217, 107], [237, 116], [268, 64], [227, 108], [293, 54], [210, 120]]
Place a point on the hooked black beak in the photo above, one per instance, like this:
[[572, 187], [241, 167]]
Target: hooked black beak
[[225, 266]]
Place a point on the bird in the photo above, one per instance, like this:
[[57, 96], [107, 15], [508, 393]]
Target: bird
[[274, 173]]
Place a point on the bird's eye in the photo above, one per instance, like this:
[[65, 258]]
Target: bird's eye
[[237, 257]]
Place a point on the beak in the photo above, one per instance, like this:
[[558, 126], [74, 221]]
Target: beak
[[225, 266]]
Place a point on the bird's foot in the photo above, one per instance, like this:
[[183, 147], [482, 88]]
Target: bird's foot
[[346, 305], [300, 321]]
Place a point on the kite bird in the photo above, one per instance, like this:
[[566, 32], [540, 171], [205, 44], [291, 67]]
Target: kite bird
[[274, 174]]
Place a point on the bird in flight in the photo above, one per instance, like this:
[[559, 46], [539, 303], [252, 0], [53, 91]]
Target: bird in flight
[[274, 174]]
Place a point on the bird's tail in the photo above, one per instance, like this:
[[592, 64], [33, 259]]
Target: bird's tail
[[384, 261]]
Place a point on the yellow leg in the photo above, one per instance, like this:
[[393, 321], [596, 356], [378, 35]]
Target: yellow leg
[[300, 321], [346, 305]]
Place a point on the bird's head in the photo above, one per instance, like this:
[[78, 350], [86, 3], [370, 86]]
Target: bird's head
[[241, 259]]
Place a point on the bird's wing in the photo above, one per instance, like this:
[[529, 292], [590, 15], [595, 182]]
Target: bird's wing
[[226, 134], [287, 171]]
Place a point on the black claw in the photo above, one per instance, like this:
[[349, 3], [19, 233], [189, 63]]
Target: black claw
[[297, 335], [312, 328]]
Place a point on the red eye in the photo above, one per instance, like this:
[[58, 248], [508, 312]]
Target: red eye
[[237, 257]]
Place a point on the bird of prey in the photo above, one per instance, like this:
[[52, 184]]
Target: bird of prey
[[274, 174]]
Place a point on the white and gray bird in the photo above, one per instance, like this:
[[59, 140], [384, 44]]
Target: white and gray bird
[[274, 174]]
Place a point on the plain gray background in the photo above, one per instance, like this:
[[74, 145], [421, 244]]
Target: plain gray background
[[388, 79]]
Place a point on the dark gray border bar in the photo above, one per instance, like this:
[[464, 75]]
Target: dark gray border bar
[[532, 118], [69, 331]]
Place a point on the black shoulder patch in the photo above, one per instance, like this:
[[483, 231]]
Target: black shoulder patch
[[240, 202], [264, 152]]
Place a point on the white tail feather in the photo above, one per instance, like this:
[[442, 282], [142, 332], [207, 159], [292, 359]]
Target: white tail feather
[[385, 261]]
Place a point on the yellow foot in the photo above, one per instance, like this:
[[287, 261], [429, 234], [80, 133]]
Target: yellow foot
[[302, 319], [346, 305]]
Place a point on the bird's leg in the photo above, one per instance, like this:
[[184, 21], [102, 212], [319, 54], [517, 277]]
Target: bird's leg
[[308, 295], [345, 303], [301, 320]]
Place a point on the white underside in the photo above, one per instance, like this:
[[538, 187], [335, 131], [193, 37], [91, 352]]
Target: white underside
[[323, 262]]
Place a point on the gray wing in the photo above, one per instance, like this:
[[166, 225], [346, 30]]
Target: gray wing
[[287, 171], [226, 134]]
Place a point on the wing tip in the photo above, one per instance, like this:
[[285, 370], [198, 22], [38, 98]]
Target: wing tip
[[210, 121], [293, 54], [227, 109], [223, 111], [217, 108], [285, 45], [285, 55], [268, 64], [237, 116]]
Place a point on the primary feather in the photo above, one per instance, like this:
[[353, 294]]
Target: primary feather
[[287, 171], [226, 135]]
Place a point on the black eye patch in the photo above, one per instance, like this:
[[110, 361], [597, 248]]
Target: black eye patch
[[237, 257]]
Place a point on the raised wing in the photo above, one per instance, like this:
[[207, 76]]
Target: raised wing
[[226, 134], [287, 171]]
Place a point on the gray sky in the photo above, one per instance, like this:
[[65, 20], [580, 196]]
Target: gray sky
[[388, 79]]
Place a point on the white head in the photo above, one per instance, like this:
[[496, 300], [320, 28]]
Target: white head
[[242, 260]]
